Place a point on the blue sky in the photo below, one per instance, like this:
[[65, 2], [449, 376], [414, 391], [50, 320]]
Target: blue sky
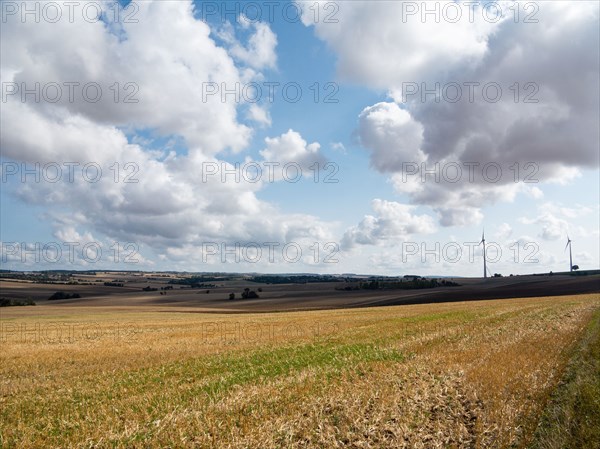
[[367, 57]]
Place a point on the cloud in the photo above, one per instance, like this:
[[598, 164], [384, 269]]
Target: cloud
[[339, 147], [148, 192], [556, 221], [259, 53], [575, 211], [381, 44], [534, 192], [259, 114], [391, 223], [459, 216], [553, 228], [70, 234], [154, 76], [503, 231], [541, 126], [291, 148], [392, 136]]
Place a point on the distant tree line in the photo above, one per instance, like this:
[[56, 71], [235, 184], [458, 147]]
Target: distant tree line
[[293, 279], [414, 284], [199, 281], [38, 278]]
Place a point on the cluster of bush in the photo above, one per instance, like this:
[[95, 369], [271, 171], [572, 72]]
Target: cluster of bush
[[247, 294], [8, 302], [64, 295]]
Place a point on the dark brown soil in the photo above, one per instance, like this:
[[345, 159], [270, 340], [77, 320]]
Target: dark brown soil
[[287, 297]]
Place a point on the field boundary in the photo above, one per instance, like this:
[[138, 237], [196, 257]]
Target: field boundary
[[572, 417]]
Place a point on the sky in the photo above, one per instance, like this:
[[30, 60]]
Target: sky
[[379, 137]]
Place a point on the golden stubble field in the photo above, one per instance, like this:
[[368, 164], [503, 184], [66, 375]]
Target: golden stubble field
[[465, 374]]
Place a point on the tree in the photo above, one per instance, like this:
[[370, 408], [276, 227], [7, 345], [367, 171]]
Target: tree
[[231, 295], [249, 294]]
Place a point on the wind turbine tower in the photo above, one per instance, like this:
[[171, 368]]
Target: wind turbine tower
[[570, 253], [484, 258]]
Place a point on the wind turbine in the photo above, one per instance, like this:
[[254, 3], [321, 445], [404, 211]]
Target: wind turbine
[[484, 258], [570, 253]]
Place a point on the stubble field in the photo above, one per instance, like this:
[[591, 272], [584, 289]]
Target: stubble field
[[460, 374]]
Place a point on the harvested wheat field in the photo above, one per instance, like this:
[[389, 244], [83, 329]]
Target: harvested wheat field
[[453, 375]]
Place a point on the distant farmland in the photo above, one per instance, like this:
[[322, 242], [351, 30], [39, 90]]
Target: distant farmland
[[497, 373]]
